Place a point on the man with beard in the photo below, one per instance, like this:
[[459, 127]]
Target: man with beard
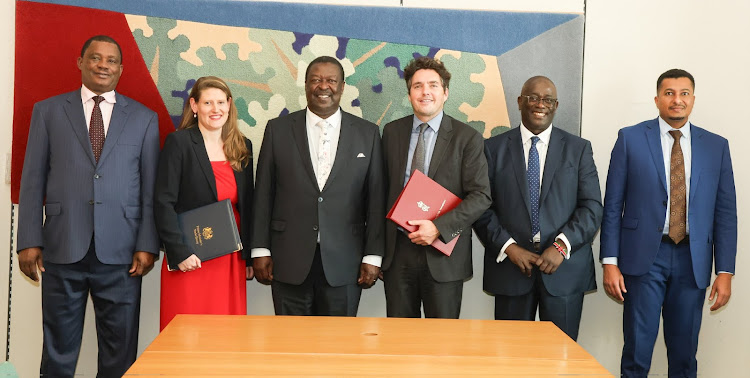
[[450, 153], [669, 212], [546, 208], [319, 210]]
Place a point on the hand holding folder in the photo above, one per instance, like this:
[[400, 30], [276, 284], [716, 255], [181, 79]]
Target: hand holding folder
[[424, 199], [209, 231]]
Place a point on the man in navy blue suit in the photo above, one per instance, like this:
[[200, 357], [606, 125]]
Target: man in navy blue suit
[[669, 212], [90, 166]]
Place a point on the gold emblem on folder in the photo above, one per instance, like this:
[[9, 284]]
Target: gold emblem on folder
[[208, 233]]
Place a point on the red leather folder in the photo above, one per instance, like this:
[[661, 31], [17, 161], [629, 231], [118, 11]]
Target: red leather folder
[[422, 198]]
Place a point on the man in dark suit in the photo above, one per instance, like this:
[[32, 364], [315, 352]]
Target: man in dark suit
[[91, 163], [319, 202], [669, 211], [450, 153], [546, 208]]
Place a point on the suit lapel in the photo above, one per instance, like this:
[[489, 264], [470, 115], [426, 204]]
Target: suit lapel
[[441, 144], [515, 146], [344, 147], [299, 132], [403, 136], [654, 144], [74, 111], [552, 161], [697, 159], [199, 149], [116, 126], [239, 179]]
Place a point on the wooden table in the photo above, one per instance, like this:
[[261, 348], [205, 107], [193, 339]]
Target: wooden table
[[210, 345]]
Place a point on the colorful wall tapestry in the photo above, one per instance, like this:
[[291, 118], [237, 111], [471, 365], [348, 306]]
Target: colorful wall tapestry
[[262, 50]]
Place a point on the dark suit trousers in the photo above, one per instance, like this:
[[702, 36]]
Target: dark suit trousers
[[563, 311], [409, 285], [116, 297], [315, 296], [668, 288]]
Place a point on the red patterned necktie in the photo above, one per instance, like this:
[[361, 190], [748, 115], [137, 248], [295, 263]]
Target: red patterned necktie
[[96, 128], [677, 198]]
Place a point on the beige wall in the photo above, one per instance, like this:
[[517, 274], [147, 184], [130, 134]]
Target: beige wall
[[628, 44]]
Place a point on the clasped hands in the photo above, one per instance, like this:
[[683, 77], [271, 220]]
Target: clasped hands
[[547, 262]]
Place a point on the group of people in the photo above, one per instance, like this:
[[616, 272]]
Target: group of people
[[313, 225]]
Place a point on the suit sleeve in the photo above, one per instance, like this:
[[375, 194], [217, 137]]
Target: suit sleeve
[[614, 199], [585, 220], [33, 183], [148, 238], [488, 227], [376, 193], [167, 192], [265, 188], [725, 217], [476, 187]]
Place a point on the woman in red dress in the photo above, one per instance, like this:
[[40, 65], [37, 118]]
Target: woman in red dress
[[206, 160]]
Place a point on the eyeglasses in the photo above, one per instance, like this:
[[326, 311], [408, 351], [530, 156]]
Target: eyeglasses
[[534, 99]]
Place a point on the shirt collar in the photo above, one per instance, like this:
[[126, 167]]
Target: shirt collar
[[434, 123], [665, 128], [334, 120], [543, 136], [88, 94]]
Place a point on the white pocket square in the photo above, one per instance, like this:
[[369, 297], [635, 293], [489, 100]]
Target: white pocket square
[[360, 155]]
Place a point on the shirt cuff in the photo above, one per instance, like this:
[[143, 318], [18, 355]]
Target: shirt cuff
[[501, 256], [562, 237], [609, 261], [373, 260], [260, 252]]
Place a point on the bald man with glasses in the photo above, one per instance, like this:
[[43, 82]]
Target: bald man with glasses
[[546, 208]]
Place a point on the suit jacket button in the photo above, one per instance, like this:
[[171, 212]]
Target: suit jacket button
[[660, 229], [320, 199], [91, 202], [96, 176], [315, 228]]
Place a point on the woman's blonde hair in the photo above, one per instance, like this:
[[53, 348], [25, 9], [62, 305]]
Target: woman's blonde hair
[[235, 149]]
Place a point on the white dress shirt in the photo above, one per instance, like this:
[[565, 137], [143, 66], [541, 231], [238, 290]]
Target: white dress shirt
[[106, 106], [313, 135], [541, 147]]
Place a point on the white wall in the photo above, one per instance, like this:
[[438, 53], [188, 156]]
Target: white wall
[[628, 44]]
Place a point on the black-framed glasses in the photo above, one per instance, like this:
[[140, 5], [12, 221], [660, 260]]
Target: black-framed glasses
[[534, 99]]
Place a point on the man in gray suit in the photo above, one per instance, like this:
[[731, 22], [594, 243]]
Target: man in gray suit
[[91, 164], [546, 208], [319, 202], [449, 152]]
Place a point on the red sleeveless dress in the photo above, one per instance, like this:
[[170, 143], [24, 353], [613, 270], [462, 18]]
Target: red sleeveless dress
[[218, 287]]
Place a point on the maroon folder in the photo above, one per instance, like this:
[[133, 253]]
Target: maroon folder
[[422, 198]]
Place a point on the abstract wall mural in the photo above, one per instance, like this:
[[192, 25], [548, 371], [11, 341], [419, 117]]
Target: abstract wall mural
[[263, 54]]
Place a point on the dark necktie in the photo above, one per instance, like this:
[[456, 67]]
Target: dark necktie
[[677, 198], [96, 128], [532, 176], [417, 160]]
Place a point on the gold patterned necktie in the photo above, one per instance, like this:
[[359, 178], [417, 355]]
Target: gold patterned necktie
[[677, 198], [96, 128]]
